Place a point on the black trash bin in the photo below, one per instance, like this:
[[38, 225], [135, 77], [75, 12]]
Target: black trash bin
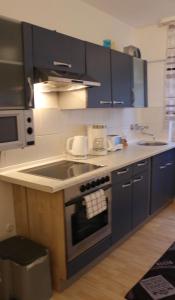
[[24, 270]]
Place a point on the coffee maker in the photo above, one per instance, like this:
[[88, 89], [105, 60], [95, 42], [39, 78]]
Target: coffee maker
[[97, 139]]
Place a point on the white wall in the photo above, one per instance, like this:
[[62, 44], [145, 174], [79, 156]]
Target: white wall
[[52, 125], [152, 40]]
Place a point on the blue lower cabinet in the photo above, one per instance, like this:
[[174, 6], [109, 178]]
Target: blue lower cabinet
[[88, 256], [141, 199], [130, 198], [121, 209], [163, 179]]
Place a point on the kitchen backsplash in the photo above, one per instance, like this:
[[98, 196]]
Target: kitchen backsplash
[[53, 126]]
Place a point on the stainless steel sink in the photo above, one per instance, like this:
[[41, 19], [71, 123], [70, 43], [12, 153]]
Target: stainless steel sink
[[152, 143]]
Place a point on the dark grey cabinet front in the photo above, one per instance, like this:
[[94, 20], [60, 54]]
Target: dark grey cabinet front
[[12, 90], [98, 67], [122, 79], [163, 177], [121, 209], [140, 207], [58, 51]]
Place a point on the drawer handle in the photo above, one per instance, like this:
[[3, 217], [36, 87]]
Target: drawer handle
[[169, 164], [123, 172], [118, 102], [58, 63], [141, 164], [162, 167], [105, 102], [127, 185], [138, 179]]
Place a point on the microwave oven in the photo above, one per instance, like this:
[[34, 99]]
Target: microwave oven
[[16, 129]]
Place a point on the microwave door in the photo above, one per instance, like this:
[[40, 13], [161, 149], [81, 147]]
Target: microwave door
[[11, 130]]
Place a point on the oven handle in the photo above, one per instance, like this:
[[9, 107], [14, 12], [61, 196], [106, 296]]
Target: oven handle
[[80, 198]]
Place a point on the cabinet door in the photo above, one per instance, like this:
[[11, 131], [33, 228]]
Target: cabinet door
[[12, 94], [121, 209], [160, 184], [57, 51], [140, 198], [170, 177], [139, 83], [121, 66], [98, 67]]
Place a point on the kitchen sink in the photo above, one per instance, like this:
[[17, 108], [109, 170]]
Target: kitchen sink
[[152, 143]]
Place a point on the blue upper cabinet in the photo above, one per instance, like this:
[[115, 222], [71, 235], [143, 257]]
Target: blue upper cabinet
[[122, 79], [98, 67], [53, 50]]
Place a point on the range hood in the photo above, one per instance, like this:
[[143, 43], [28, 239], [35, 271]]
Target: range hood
[[56, 81]]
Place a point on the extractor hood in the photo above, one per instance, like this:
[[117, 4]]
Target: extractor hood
[[56, 81]]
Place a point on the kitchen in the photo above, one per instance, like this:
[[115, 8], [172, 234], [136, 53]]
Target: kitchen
[[53, 126]]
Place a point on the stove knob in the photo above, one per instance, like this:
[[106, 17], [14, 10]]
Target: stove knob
[[102, 180], [82, 188], [98, 182], [107, 178], [88, 186], [93, 184]]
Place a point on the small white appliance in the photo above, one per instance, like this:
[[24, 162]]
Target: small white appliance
[[16, 129], [114, 142], [77, 146], [97, 139]]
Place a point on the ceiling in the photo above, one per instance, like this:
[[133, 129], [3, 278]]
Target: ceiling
[[136, 13]]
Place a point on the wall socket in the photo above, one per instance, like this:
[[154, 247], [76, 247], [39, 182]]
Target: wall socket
[[9, 228]]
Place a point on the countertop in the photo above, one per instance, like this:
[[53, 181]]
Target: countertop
[[113, 161]]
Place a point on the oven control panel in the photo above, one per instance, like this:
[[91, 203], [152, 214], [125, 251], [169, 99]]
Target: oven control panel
[[87, 187], [95, 183]]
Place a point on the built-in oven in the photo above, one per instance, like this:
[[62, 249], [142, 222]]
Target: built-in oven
[[87, 223]]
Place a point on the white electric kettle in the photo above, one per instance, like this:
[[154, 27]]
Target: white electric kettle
[[77, 146]]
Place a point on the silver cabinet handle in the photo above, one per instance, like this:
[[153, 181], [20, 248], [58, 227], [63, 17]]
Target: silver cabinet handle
[[58, 63], [105, 102], [122, 172], [118, 102], [162, 167], [30, 102], [127, 185], [169, 164], [141, 164], [138, 179]]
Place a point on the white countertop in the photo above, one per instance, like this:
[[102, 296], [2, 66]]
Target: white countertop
[[112, 161]]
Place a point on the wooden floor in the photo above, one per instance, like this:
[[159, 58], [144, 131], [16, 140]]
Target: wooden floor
[[121, 269]]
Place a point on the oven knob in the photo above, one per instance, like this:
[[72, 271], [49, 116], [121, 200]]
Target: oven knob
[[107, 178], [93, 184], [102, 180], [82, 188], [98, 182], [88, 186]]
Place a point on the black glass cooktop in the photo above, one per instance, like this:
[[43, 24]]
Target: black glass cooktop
[[62, 170]]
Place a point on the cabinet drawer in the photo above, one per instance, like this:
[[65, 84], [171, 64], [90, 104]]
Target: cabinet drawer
[[122, 174], [140, 166]]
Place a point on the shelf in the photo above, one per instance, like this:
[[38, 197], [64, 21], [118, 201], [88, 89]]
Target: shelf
[[11, 62]]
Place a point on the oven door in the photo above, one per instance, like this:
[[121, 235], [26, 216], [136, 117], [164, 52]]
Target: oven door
[[83, 233], [11, 129]]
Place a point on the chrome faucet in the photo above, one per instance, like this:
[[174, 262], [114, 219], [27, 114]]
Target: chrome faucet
[[148, 133], [142, 129]]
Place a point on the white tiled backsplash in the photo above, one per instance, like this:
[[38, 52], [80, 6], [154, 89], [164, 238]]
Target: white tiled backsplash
[[53, 126]]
